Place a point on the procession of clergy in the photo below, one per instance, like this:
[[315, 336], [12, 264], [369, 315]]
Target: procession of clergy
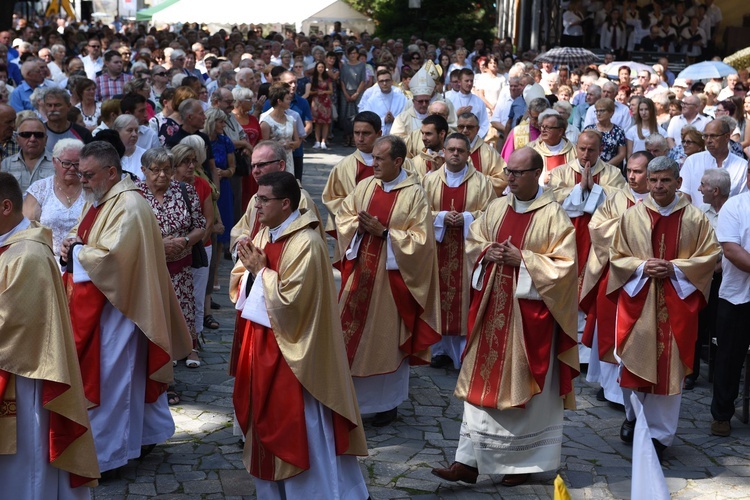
[[447, 255]]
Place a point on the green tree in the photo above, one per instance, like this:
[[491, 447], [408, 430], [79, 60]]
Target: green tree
[[435, 19]]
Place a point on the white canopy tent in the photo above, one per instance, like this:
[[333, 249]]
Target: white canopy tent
[[351, 19], [231, 12]]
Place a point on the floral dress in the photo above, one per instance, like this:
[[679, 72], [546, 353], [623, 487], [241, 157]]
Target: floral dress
[[168, 128], [321, 105], [175, 219], [611, 141]]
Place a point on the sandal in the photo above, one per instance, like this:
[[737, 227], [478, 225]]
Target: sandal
[[172, 397], [193, 363], [210, 322]]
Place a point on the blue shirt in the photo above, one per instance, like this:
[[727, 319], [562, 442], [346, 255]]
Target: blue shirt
[[19, 99], [302, 107]]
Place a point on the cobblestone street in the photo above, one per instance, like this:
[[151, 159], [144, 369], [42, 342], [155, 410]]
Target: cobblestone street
[[204, 459]]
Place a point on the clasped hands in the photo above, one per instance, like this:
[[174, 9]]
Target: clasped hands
[[252, 257], [504, 253], [587, 177], [658, 268], [173, 246], [65, 247], [369, 224], [454, 219]]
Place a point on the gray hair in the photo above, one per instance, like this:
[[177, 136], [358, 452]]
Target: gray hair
[[242, 94], [105, 154], [559, 120], [37, 96], [563, 106], [664, 164], [727, 123], [157, 156], [67, 145], [188, 106], [123, 121], [718, 178], [712, 88], [182, 151], [594, 89], [176, 53], [661, 98], [610, 86], [198, 145], [539, 104], [213, 115], [57, 47], [57, 92], [657, 140], [278, 150]]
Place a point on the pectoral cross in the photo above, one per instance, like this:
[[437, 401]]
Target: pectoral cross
[[662, 247], [453, 206]]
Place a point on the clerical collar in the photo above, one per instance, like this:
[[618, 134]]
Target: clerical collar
[[668, 209], [454, 178], [367, 158], [638, 196], [275, 232], [522, 206], [556, 148], [23, 225], [401, 177]]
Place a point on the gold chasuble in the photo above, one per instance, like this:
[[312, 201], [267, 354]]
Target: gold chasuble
[[304, 348], [342, 180], [553, 160], [508, 349], [562, 181], [389, 315], [425, 163], [487, 160], [599, 307], [36, 342], [124, 257], [656, 329], [473, 195]]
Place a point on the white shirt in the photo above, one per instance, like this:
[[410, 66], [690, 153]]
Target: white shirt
[[621, 117], [734, 227], [459, 100], [92, 67], [695, 166], [711, 214], [676, 123], [639, 144]]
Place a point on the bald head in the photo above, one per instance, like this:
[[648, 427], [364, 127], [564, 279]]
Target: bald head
[[439, 108]]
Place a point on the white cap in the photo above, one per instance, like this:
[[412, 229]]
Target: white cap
[[423, 81], [16, 43]]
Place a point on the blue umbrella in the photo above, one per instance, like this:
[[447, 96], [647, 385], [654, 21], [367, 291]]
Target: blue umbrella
[[705, 70]]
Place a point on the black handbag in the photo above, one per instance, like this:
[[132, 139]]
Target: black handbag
[[200, 257], [241, 165]]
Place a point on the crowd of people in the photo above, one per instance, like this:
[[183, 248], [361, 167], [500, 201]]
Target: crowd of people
[[510, 220]]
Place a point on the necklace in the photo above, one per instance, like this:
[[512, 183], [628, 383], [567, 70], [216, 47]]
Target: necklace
[[70, 202]]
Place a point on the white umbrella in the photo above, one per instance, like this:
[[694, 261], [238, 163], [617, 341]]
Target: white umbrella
[[705, 70], [635, 67]]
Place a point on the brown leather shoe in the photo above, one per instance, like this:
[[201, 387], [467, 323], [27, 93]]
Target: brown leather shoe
[[458, 472], [511, 480]]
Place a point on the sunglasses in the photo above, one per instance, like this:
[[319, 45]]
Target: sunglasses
[[28, 135], [159, 74]]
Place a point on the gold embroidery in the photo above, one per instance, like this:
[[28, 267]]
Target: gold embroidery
[[8, 408], [495, 326]]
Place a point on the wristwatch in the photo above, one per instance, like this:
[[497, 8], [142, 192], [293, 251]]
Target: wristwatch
[[385, 233], [187, 241]]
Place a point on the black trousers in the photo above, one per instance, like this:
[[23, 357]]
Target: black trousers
[[298, 167], [733, 338], [706, 325]]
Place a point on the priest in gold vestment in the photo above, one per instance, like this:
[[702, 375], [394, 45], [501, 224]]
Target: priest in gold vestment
[[580, 186], [483, 157], [46, 445], [293, 394], [661, 265], [458, 195], [521, 355], [389, 300], [434, 131], [126, 318]]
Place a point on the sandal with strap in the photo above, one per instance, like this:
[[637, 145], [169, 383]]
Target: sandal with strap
[[210, 322], [172, 397], [193, 363]]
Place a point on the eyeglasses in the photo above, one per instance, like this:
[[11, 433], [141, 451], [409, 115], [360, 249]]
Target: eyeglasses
[[124, 53], [89, 175], [421, 101], [707, 137], [67, 165], [158, 171], [95, 46], [160, 74], [600, 111], [189, 161], [263, 200], [262, 164], [28, 135], [547, 127], [516, 173], [384, 82]]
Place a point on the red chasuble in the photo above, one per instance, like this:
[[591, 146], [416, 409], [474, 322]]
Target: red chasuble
[[268, 399], [538, 324], [363, 172], [555, 161], [583, 238], [677, 319], [450, 254], [476, 159], [363, 270]]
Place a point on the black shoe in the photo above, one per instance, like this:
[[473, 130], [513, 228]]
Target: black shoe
[[384, 418], [660, 448], [627, 430], [441, 361], [600, 395], [214, 305], [145, 450], [689, 384], [616, 406]]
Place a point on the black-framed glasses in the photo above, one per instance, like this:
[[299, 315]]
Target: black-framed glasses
[[67, 165], [517, 173], [263, 200], [160, 74], [547, 127], [29, 135], [262, 164]]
